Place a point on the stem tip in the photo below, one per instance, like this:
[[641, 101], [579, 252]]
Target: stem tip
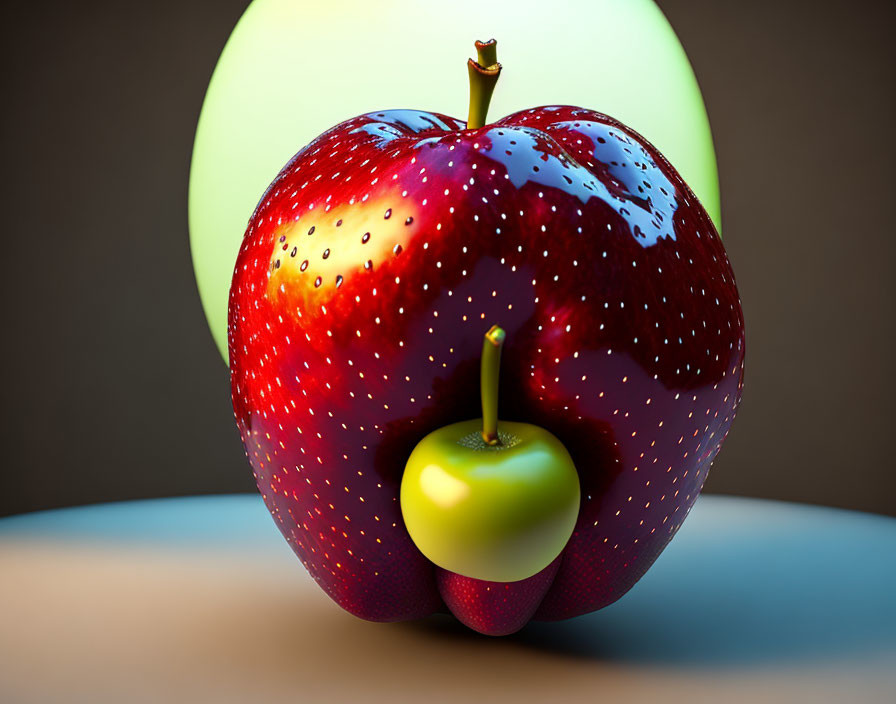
[[484, 75]]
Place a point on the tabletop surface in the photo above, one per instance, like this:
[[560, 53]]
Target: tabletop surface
[[201, 598]]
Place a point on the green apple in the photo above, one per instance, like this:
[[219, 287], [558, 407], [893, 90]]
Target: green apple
[[497, 504], [293, 69]]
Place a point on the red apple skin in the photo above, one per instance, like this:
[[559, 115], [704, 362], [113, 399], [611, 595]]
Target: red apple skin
[[368, 274]]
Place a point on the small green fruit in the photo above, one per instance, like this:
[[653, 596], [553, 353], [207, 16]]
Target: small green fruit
[[495, 512], [489, 503]]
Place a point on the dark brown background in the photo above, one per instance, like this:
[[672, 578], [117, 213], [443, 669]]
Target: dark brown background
[[113, 389]]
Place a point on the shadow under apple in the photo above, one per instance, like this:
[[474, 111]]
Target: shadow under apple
[[744, 583]]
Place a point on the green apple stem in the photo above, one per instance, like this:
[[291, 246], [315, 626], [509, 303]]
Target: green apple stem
[[488, 383], [483, 76]]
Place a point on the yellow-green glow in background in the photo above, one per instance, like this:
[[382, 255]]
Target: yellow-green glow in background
[[293, 69]]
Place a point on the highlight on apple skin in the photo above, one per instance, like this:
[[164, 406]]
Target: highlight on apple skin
[[369, 272], [271, 93]]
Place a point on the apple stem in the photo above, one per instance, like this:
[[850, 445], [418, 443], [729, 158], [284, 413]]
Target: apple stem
[[483, 76], [488, 383]]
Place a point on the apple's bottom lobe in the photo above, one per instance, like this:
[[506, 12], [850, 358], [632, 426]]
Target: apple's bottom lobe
[[495, 608]]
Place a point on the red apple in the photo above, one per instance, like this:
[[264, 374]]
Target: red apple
[[368, 274]]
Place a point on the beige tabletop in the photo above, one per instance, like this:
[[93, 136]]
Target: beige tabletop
[[200, 599]]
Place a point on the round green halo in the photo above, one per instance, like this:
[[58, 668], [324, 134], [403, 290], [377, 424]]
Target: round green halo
[[280, 82]]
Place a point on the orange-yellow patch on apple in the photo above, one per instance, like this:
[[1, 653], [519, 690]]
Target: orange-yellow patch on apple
[[311, 265]]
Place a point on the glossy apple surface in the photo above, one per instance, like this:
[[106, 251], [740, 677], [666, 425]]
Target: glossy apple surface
[[293, 69], [362, 287]]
